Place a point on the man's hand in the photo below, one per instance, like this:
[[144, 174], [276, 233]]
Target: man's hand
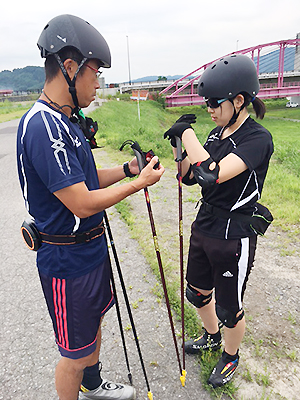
[[177, 130], [149, 176]]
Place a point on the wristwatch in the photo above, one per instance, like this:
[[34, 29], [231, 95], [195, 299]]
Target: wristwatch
[[126, 170]]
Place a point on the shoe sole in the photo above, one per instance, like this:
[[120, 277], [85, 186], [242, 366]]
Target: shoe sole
[[82, 396]]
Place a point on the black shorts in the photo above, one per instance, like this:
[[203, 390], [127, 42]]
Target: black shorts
[[221, 264], [76, 306]]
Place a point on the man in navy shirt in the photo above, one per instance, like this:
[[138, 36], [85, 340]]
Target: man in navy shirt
[[66, 196]]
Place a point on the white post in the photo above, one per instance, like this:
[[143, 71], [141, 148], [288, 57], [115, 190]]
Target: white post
[[138, 104]]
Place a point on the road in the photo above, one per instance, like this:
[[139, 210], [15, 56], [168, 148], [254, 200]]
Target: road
[[27, 348]]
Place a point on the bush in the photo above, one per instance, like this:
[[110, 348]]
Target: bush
[[155, 96]]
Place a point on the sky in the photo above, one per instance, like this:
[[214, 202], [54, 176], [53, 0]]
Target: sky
[[157, 37]]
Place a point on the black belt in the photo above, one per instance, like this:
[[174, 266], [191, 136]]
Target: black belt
[[221, 213], [77, 238]]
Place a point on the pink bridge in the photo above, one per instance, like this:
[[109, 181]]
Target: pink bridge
[[278, 67]]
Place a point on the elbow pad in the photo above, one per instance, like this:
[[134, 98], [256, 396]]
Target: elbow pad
[[186, 179], [203, 175]]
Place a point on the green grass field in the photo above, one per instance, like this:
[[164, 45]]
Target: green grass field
[[10, 110]]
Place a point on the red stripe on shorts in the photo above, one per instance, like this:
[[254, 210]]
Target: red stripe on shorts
[[60, 309]]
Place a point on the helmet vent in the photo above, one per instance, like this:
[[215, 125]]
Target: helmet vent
[[213, 66], [225, 62]]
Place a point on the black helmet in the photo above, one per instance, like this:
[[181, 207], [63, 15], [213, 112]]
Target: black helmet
[[70, 31], [228, 77]]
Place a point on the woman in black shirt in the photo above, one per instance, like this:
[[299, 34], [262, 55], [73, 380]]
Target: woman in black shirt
[[231, 168]]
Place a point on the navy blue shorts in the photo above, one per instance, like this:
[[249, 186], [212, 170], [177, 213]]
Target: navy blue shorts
[[221, 264], [76, 306]]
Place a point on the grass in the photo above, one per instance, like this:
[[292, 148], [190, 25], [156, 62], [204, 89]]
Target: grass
[[10, 110]]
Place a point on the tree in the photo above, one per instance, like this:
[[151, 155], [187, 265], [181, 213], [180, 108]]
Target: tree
[[23, 79]]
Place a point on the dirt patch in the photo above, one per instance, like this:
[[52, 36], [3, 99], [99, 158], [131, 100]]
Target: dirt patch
[[269, 367]]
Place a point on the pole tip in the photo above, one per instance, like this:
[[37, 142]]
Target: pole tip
[[150, 395], [182, 378]]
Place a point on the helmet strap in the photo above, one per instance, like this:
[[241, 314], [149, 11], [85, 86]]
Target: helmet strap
[[71, 82], [235, 115]]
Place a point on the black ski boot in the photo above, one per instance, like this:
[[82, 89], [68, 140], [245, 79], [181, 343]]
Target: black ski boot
[[204, 342], [224, 370]]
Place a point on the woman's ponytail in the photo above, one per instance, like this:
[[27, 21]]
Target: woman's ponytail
[[258, 105], [259, 108]]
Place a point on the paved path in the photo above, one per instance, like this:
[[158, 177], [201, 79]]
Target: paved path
[[28, 354]]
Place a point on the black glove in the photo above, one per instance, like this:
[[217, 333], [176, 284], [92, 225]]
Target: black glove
[[189, 118], [176, 130]]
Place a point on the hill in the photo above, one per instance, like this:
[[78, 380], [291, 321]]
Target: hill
[[23, 79], [32, 78]]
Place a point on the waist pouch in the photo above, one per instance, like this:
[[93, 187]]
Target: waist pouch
[[259, 221], [34, 239]]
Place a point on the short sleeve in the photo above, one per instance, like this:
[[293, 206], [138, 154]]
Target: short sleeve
[[255, 148], [54, 154]]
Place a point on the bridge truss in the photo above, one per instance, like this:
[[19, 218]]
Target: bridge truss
[[278, 68]]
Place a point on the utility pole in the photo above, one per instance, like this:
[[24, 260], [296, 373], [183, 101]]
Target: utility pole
[[128, 60]]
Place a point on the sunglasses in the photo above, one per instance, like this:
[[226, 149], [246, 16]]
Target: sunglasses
[[98, 73], [213, 102]]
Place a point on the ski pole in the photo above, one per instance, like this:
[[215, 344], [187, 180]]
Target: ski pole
[[150, 395], [120, 321], [141, 158], [179, 160]]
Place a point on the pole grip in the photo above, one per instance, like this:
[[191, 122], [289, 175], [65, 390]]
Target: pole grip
[[178, 148], [139, 155]]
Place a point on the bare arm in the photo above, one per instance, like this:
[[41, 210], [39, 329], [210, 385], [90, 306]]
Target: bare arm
[[230, 166], [84, 203], [109, 176]]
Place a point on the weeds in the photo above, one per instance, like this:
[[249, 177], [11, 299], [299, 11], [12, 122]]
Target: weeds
[[263, 378]]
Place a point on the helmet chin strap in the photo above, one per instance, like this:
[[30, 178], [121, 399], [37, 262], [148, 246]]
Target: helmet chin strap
[[235, 115], [70, 82]]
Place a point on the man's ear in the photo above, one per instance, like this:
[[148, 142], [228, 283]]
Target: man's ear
[[71, 67]]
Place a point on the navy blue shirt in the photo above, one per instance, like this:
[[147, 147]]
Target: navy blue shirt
[[52, 154]]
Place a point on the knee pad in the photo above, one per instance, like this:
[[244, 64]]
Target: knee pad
[[228, 318], [198, 299]]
